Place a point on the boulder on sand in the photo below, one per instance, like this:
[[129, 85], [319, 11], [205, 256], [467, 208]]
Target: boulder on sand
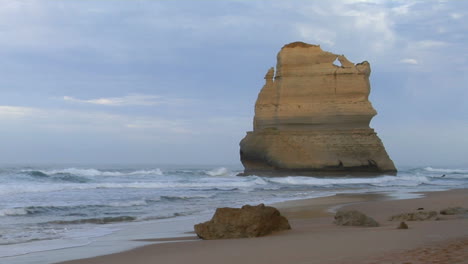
[[248, 221], [354, 218], [402, 225], [416, 216], [454, 211]]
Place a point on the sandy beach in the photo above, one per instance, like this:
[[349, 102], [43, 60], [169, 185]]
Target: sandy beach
[[314, 237]]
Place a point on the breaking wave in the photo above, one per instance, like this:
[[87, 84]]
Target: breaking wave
[[43, 187], [185, 197], [441, 170], [101, 221], [91, 172], [13, 212], [60, 177], [31, 210], [219, 172], [379, 181]]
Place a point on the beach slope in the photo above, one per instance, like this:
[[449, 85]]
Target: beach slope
[[314, 237]]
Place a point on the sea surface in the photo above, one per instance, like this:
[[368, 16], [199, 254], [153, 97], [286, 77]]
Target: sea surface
[[69, 206]]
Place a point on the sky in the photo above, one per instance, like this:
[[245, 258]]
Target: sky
[[175, 82]]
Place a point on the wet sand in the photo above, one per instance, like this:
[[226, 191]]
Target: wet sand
[[315, 239]]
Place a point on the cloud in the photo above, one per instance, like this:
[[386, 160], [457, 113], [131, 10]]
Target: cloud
[[13, 112], [402, 10], [368, 24], [316, 35], [128, 100], [456, 16], [409, 61], [61, 120], [429, 43]]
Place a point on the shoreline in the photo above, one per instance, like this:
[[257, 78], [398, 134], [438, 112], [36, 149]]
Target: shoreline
[[315, 239]]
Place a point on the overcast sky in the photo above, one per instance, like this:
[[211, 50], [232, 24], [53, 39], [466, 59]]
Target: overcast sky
[[176, 81]]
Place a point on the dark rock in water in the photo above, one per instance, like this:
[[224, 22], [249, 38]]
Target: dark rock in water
[[454, 211], [248, 221], [420, 208], [403, 225], [416, 216], [354, 218]]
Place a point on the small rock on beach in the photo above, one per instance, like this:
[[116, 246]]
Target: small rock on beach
[[415, 216], [402, 225], [354, 218], [454, 211]]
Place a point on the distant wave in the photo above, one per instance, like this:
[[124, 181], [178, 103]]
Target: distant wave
[[166, 216], [101, 220], [13, 212], [442, 170], [91, 172], [62, 177], [43, 187], [184, 197], [128, 203], [379, 181], [37, 174], [31, 210], [218, 172]]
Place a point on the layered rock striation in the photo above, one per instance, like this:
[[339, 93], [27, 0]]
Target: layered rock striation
[[312, 118]]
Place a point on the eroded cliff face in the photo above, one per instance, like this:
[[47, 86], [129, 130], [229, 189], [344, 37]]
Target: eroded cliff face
[[312, 117]]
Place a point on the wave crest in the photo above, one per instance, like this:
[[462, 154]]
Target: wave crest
[[13, 212], [442, 170], [90, 172], [379, 181], [101, 221], [219, 172]]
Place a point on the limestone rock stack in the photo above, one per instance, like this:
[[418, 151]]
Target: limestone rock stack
[[312, 118]]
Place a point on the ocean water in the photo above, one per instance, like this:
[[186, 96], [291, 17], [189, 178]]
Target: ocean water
[[71, 206]]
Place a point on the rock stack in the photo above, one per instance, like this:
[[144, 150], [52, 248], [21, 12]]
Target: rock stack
[[312, 118]]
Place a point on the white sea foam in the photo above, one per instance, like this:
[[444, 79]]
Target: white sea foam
[[95, 172], [216, 182], [13, 211], [128, 203], [379, 181], [260, 181], [185, 197], [442, 170], [218, 172], [49, 187], [64, 239], [147, 172]]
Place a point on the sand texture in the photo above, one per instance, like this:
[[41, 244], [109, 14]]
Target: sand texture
[[315, 239]]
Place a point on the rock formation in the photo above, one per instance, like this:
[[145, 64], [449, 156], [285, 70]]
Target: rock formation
[[454, 211], [248, 221], [354, 218], [312, 118], [415, 216]]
